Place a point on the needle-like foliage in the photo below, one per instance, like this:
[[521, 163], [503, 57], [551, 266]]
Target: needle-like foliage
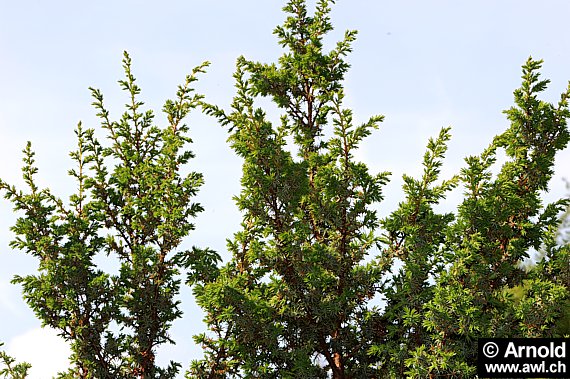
[[132, 204], [293, 300], [318, 284], [296, 298]]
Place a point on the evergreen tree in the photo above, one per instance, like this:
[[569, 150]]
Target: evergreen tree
[[292, 302], [414, 236], [500, 221], [133, 204], [294, 299]]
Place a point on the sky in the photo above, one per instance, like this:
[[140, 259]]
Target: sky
[[422, 64]]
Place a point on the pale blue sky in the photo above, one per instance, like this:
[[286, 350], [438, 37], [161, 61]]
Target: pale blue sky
[[423, 64]]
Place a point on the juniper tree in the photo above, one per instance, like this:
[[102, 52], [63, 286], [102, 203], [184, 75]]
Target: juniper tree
[[294, 299], [414, 236], [500, 221], [292, 302], [134, 204]]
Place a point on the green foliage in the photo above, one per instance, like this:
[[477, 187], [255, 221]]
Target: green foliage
[[299, 296], [12, 370], [498, 223], [295, 300], [292, 301], [415, 236], [132, 204]]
